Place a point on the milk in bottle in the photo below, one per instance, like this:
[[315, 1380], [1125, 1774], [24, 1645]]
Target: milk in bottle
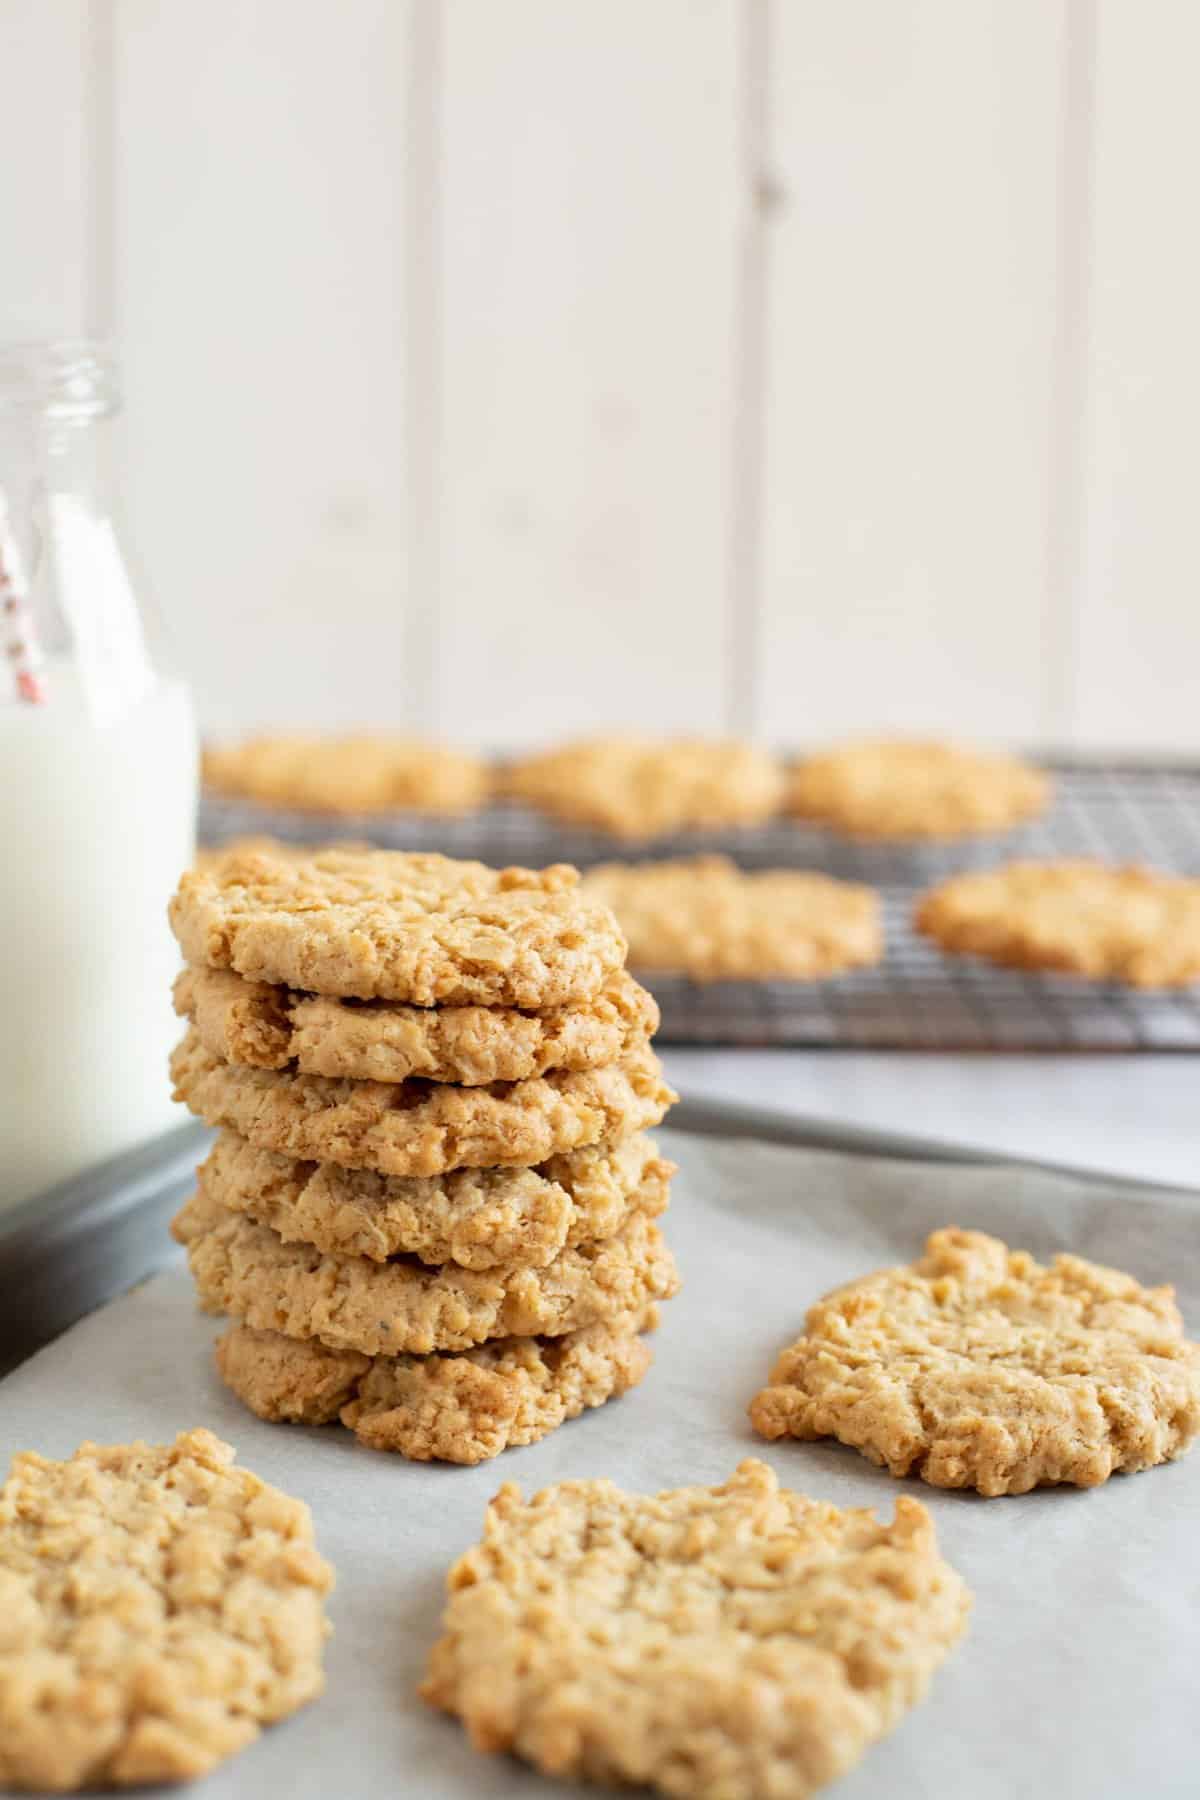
[[97, 793]]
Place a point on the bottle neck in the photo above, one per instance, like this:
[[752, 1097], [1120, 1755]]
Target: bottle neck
[[74, 457], [56, 401], [80, 607]]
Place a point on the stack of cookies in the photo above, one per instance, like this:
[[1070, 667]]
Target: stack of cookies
[[430, 1209]]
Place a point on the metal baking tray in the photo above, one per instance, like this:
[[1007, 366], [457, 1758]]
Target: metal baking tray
[[69, 1251]]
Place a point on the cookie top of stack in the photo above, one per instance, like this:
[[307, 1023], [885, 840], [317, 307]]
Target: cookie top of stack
[[395, 925]]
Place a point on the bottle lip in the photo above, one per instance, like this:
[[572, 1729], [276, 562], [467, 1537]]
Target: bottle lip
[[59, 378]]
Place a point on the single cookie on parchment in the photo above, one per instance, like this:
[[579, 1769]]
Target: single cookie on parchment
[[403, 1307], [459, 1408], [705, 918], [158, 1606], [639, 787], [361, 774], [899, 788], [395, 925], [1079, 917], [479, 1218], [976, 1367], [421, 1127], [270, 1027], [716, 1643]]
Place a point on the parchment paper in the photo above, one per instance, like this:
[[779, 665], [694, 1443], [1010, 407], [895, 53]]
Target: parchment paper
[[1080, 1673]]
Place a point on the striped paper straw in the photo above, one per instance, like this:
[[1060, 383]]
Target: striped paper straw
[[20, 639]]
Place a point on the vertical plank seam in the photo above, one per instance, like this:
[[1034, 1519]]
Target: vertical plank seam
[[1070, 408], [98, 300], [423, 248], [744, 596]]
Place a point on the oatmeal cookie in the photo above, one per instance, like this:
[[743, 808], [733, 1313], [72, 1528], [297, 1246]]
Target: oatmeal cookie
[[896, 788], [478, 1218], [1083, 918], [258, 844], [158, 1606], [394, 925], [642, 787], [347, 774], [401, 1308], [723, 1643], [978, 1368], [270, 1027], [421, 1127], [460, 1408], [705, 918]]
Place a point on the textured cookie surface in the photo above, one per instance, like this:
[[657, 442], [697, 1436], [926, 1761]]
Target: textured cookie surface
[[1084, 918], [479, 1218], [348, 774], [896, 788], [157, 1607], [269, 1027], [421, 1127], [401, 1308], [257, 844], [706, 918], [976, 1367], [390, 925], [724, 1643], [643, 787], [460, 1408]]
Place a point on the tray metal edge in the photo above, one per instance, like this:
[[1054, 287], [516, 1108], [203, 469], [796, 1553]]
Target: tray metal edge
[[723, 1118], [67, 1251]]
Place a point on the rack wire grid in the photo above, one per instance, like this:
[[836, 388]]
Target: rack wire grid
[[917, 998]]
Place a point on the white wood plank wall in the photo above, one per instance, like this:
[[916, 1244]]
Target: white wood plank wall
[[512, 370], [911, 330]]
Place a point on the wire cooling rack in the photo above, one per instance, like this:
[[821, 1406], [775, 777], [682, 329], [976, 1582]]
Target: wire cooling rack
[[917, 998]]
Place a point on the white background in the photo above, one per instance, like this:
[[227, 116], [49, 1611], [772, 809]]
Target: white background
[[510, 367]]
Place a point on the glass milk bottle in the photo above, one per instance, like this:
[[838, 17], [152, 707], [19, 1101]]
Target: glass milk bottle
[[97, 791]]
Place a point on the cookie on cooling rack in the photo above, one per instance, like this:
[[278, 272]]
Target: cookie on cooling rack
[[636, 787], [976, 1367], [895, 788], [1083, 918], [362, 774], [705, 918], [733, 1640]]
